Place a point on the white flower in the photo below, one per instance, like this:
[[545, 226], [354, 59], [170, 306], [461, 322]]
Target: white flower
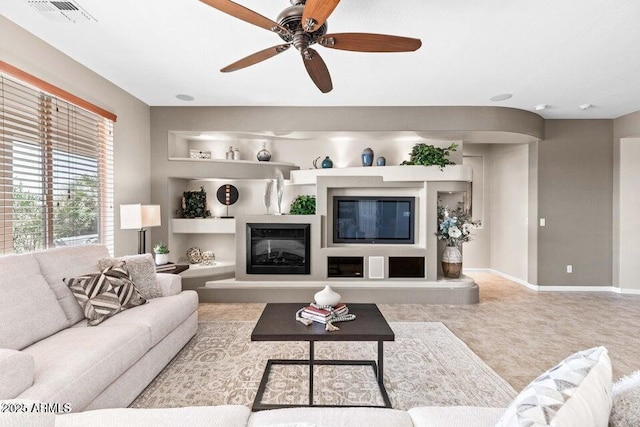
[[467, 227], [454, 232]]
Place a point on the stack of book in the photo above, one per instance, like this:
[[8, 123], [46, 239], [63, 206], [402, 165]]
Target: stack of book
[[321, 315]]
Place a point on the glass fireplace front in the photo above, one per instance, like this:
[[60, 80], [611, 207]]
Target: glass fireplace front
[[278, 248]]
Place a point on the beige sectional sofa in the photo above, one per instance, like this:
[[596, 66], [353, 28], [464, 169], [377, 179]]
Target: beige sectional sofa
[[49, 354]]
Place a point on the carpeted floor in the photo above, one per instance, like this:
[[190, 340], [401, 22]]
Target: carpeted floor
[[426, 365]]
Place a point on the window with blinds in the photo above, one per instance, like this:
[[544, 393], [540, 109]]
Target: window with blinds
[[56, 171]]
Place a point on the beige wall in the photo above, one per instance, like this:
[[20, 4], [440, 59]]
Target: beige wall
[[508, 208], [623, 127], [575, 181], [502, 243], [629, 270], [131, 131]]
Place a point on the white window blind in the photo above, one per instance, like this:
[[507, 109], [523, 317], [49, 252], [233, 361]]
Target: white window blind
[[56, 171]]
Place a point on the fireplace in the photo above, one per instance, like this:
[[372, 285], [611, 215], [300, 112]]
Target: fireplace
[[278, 248]]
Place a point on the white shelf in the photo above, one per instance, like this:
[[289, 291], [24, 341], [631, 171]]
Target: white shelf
[[201, 270], [203, 225], [246, 162], [388, 173], [463, 282]]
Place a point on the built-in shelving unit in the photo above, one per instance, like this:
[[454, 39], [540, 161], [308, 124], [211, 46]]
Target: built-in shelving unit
[[203, 270], [237, 162], [203, 225]]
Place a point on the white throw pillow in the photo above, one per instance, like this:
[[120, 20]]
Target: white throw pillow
[[626, 402], [576, 392]]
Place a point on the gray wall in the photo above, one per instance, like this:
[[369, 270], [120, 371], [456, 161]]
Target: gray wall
[[21, 49], [575, 181]]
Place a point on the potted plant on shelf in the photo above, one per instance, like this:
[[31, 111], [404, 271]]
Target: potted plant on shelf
[[303, 205], [454, 228], [162, 253], [428, 155]]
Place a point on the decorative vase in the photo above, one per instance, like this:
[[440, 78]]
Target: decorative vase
[[327, 163], [327, 296], [367, 157], [381, 161], [451, 262], [264, 155], [162, 259]]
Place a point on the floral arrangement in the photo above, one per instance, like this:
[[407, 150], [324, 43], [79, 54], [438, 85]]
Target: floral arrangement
[[455, 226]]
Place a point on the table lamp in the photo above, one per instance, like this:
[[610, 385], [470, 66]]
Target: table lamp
[[138, 217]]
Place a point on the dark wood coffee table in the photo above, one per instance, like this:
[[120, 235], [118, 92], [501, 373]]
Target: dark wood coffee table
[[278, 323]]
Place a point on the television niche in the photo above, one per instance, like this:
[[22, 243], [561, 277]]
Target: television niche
[[386, 220]]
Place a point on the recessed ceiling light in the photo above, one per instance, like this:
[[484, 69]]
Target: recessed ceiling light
[[541, 107], [501, 97], [585, 106], [183, 97]]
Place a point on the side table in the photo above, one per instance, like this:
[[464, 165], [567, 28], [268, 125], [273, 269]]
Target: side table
[[172, 268]]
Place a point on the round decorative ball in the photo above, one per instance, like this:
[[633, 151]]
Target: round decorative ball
[[327, 296], [194, 255], [208, 257]]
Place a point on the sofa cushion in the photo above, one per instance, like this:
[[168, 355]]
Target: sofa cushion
[[459, 416], [77, 364], [71, 261], [576, 392], [334, 417], [160, 315], [104, 294], [169, 284], [30, 310], [199, 416], [626, 402], [16, 368], [142, 269]]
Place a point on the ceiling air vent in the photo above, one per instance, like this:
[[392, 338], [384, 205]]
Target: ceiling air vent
[[62, 11]]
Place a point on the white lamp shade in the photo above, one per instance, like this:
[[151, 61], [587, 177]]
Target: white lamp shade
[[139, 216]]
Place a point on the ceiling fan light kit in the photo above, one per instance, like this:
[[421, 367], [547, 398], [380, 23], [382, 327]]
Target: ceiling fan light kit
[[304, 24]]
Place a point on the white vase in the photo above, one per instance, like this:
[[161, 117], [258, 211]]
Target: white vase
[[327, 296], [451, 262], [162, 259]]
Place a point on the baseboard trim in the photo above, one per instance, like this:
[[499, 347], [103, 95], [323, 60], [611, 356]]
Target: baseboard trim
[[539, 288]]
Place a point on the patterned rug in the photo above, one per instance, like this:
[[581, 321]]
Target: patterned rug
[[426, 365]]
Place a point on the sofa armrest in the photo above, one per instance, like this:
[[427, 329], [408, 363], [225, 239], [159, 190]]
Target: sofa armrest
[[16, 372], [462, 416], [169, 284]]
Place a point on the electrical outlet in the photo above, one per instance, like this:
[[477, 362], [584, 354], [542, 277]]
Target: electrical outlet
[[569, 268], [543, 222]]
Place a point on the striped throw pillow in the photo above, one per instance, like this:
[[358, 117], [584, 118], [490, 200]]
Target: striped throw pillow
[[102, 295]]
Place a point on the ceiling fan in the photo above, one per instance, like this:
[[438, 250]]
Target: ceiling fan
[[304, 24]]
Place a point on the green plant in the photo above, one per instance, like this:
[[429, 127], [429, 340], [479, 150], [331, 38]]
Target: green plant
[[428, 155], [161, 248], [194, 204], [303, 205]]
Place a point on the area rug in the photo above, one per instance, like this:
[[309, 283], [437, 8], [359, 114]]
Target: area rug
[[426, 365]]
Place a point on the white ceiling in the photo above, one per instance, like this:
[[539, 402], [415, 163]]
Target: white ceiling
[[561, 53]]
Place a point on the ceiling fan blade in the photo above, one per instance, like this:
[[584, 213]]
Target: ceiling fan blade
[[256, 57], [246, 15], [316, 13], [317, 70], [366, 42]]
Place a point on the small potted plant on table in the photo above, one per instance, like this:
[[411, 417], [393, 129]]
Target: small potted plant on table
[[162, 253]]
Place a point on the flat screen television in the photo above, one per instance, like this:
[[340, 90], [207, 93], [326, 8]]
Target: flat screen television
[[373, 219]]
